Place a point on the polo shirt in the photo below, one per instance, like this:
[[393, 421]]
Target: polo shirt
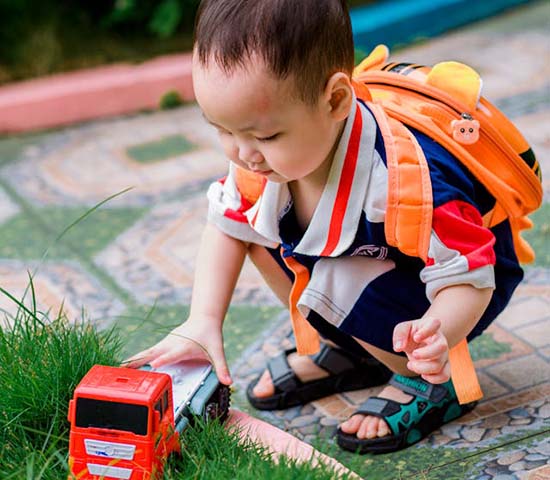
[[358, 282]]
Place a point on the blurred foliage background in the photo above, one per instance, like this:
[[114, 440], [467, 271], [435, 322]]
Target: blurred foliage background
[[39, 37]]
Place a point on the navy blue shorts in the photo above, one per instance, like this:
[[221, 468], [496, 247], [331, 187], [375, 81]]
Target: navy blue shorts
[[394, 296]]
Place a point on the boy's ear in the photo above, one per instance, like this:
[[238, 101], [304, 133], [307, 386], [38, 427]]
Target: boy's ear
[[338, 95]]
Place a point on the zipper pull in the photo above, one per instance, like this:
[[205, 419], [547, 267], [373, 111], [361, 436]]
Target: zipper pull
[[466, 130]]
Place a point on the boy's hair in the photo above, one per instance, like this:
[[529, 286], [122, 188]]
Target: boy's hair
[[306, 39]]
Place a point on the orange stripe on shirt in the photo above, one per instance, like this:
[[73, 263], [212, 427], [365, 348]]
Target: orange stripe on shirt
[[344, 187]]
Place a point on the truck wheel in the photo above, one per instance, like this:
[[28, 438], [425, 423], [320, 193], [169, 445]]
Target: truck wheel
[[218, 405]]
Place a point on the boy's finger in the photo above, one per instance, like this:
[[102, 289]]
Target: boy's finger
[[172, 355], [426, 367], [166, 359], [441, 377], [428, 327], [430, 351], [220, 366], [401, 334], [139, 359]]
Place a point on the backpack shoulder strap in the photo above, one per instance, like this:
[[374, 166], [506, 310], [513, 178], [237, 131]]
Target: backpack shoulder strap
[[409, 209]]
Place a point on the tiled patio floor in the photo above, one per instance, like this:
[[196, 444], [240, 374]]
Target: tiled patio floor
[[137, 253]]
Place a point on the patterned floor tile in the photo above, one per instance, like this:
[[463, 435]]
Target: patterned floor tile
[[157, 150], [521, 372], [155, 259], [8, 208], [536, 334], [492, 388], [91, 162], [59, 286], [532, 306], [510, 59], [514, 347], [540, 473]]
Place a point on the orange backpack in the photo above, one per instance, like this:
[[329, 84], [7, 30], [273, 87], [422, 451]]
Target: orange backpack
[[443, 102]]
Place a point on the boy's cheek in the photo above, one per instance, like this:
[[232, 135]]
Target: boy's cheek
[[231, 152]]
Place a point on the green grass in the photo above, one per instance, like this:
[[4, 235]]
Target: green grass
[[212, 452], [41, 362], [43, 358]]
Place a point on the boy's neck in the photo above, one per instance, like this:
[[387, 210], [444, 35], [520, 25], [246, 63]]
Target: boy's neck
[[318, 179], [306, 192]]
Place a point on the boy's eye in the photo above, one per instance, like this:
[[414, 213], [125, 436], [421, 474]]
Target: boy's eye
[[267, 139]]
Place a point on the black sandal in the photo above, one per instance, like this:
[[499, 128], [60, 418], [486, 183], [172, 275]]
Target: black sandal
[[347, 372], [431, 406]]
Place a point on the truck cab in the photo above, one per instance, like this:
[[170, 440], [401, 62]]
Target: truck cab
[[126, 422]]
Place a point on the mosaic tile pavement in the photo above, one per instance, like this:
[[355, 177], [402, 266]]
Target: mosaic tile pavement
[[130, 263]]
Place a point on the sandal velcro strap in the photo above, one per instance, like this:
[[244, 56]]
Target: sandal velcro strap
[[379, 407], [420, 388], [333, 360], [282, 376]]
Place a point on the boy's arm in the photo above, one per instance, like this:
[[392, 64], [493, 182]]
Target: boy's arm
[[218, 265], [459, 307], [459, 277], [217, 269]]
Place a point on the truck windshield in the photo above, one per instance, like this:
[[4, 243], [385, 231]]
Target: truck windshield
[[111, 415]]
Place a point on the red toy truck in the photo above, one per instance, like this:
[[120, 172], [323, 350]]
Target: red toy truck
[[126, 422]]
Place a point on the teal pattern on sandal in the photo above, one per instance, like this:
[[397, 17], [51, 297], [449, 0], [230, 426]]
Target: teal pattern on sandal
[[430, 407]]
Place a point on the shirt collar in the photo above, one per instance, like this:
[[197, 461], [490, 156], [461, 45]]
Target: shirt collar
[[335, 221]]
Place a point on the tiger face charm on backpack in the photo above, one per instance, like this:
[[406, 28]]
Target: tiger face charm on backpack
[[465, 130]]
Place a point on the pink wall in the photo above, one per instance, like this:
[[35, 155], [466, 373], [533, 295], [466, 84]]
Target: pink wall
[[87, 94]]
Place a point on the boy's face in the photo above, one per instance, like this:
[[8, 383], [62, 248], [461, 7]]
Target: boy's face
[[262, 125]]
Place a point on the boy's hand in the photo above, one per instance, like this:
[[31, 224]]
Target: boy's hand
[[426, 348], [186, 342]]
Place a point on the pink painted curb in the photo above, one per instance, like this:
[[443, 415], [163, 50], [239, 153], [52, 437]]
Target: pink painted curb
[[280, 443], [87, 94]]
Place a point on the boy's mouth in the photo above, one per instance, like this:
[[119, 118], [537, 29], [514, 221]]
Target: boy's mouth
[[262, 172]]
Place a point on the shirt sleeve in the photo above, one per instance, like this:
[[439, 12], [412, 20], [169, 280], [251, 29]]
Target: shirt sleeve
[[461, 249], [227, 210]]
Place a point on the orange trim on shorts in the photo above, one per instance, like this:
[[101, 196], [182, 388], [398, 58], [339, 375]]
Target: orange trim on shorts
[[307, 338]]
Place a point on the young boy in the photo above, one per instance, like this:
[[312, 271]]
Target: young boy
[[274, 78]]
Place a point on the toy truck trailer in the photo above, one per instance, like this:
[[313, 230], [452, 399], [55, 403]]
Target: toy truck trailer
[[126, 422]]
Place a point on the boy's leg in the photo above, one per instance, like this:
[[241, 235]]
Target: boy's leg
[[366, 298], [304, 367], [306, 370], [280, 284], [369, 426]]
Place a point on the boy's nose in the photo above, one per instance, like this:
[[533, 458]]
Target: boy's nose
[[249, 155]]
